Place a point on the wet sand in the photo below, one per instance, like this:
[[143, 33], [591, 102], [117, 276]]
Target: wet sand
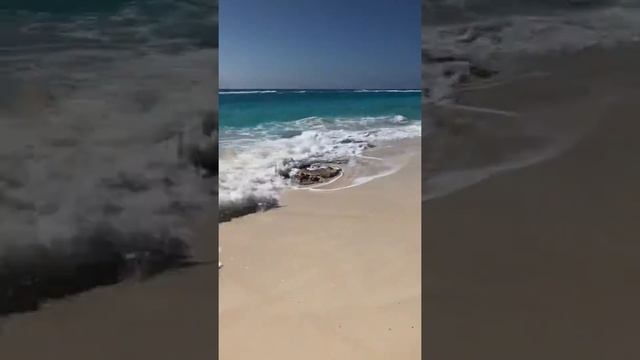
[[170, 316], [542, 262], [329, 275]]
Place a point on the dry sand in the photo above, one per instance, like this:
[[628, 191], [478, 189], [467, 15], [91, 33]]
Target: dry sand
[[542, 262], [329, 275]]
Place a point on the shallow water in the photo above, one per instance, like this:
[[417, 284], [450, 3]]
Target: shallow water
[[262, 130], [99, 103]]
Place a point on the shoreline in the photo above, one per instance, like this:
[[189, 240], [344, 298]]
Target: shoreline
[[359, 169], [167, 316], [327, 267], [180, 297], [543, 262], [513, 121]]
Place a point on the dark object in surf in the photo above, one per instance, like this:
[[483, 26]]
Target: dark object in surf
[[31, 274], [315, 174], [204, 153], [209, 123], [290, 166], [204, 156], [245, 207]]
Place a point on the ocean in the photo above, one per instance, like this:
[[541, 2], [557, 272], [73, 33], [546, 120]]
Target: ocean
[[101, 104], [261, 130]]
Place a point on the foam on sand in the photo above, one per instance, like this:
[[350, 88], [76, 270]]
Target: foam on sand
[[251, 166]]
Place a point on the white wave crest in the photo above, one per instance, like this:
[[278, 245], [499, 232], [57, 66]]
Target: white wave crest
[[249, 166]]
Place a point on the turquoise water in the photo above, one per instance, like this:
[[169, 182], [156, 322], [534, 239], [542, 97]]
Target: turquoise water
[[251, 108], [261, 131]]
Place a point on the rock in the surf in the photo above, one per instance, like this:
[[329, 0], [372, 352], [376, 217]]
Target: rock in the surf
[[315, 174]]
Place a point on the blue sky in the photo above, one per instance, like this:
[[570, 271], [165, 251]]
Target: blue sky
[[321, 44]]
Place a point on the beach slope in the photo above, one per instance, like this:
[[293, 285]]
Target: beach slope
[[167, 317], [542, 262], [329, 275]]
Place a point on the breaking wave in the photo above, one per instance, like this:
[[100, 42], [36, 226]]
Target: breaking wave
[[252, 159], [108, 123]]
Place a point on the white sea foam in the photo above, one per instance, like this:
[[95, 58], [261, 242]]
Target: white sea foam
[[388, 167], [105, 150], [238, 92], [92, 108], [97, 111], [389, 91], [480, 41], [249, 162], [243, 92], [454, 48]]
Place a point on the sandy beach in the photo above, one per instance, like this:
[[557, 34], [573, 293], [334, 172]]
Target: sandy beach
[[328, 275], [541, 262], [170, 316]]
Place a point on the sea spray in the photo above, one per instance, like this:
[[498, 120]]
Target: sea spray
[[108, 118], [266, 135], [479, 44]]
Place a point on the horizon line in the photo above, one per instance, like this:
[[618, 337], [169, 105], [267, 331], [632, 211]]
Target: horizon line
[[242, 89]]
